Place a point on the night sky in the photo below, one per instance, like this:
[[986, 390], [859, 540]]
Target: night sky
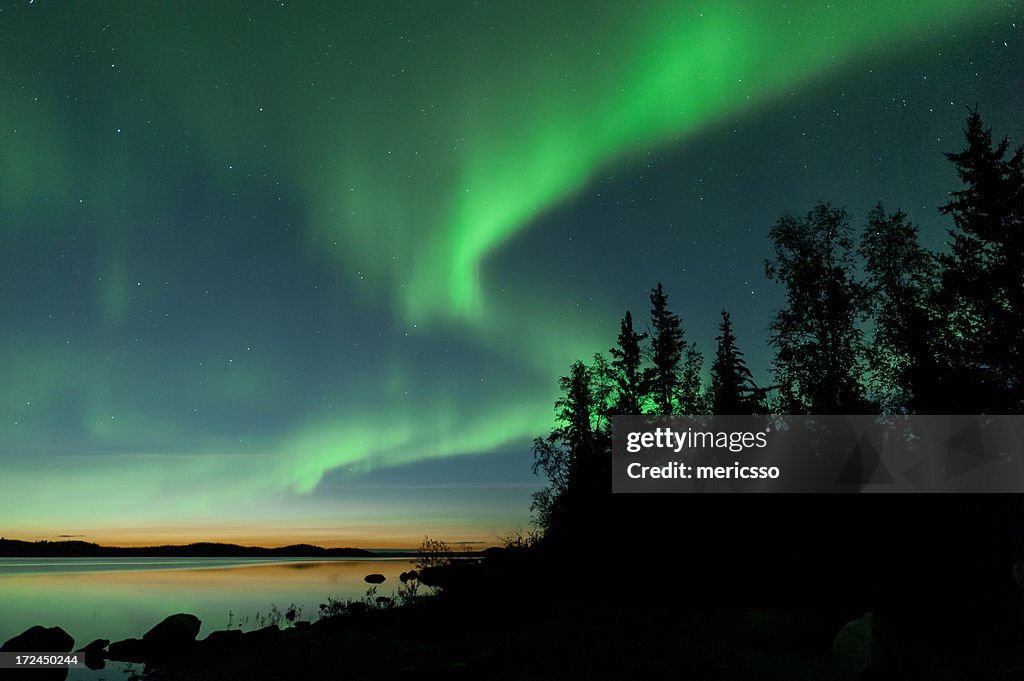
[[295, 271]]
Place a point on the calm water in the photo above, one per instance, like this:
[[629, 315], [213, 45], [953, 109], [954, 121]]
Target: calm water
[[120, 598]]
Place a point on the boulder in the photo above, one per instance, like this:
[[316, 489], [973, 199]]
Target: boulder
[[128, 650], [173, 633], [95, 653], [375, 578], [170, 638], [97, 646], [39, 639], [857, 646]]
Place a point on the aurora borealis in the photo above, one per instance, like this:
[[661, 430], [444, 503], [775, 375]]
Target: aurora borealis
[[287, 270]]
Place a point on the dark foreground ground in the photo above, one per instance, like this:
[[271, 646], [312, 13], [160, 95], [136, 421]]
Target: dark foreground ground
[[654, 587], [646, 634], [563, 643], [695, 588]]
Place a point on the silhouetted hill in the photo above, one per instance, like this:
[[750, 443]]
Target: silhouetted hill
[[81, 549]]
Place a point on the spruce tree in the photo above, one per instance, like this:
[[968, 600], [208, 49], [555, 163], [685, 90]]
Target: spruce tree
[[575, 456], [691, 399], [733, 390], [629, 375], [982, 280], [667, 346]]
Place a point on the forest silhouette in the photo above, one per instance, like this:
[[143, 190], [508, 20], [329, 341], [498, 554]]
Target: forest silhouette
[[873, 323]]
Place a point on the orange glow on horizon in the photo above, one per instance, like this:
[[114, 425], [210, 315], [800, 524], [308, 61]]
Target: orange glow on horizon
[[362, 538]]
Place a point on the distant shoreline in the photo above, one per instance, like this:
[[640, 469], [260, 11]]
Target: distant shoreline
[[13, 548]]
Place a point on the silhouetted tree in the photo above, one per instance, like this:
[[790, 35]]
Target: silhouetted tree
[[982, 282], [629, 375], [433, 553], [603, 396], [574, 456], [733, 390], [675, 374], [666, 352], [691, 398], [899, 287], [818, 347]]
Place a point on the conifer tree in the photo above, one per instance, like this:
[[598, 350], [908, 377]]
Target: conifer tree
[[982, 279], [667, 346], [575, 455], [691, 399], [733, 390], [629, 375]]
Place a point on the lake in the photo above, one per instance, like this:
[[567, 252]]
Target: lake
[[117, 598]]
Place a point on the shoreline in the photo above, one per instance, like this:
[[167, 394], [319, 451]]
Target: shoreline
[[513, 618], [112, 599]]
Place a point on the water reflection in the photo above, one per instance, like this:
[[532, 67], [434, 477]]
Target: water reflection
[[127, 598]]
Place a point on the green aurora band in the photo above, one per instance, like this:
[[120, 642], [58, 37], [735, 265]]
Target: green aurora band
[[417, 149]]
